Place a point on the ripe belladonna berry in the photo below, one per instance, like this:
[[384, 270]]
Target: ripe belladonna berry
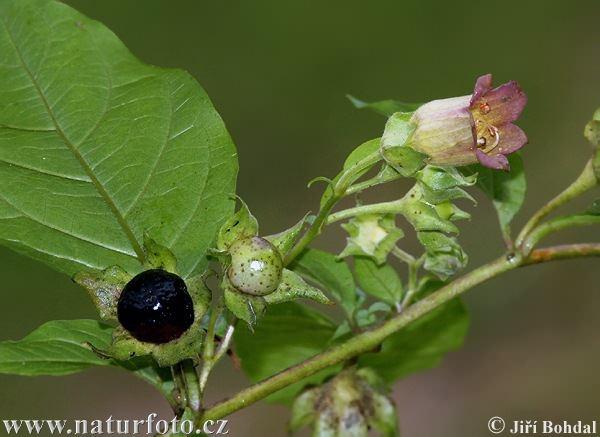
[[256, 266], [155, 307]]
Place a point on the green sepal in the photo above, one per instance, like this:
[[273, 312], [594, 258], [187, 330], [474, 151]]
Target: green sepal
[[443, 256], [189, 345], [158, 256], [448, 211], [285, 240], [244, 306], [422, 215], [104, 288], [395, 145], [592, 129], [293, 287], [242, 224], [443, 178], [371, 235], [441, 184]]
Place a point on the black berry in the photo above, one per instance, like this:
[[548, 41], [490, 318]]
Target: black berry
[[155, 307]]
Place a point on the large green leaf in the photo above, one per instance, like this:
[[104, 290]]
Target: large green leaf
[[97, 148], [286, 335], [56, 348], [332, 275], [423, 343], [62, 347], [505, 189]]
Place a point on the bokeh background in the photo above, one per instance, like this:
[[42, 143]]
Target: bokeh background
[[278, 72]]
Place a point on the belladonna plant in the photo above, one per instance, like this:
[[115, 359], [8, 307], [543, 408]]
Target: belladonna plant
[[122, 176]]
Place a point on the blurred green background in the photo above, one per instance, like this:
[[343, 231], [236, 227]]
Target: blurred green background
[[278, 71]]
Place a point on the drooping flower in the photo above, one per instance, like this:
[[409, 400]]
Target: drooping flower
[[469, 129]]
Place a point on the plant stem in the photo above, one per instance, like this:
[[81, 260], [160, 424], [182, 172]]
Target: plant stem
[[338, 188], [192, 386], [392, 207], [403, 255], [374, 181], [556, 225], [368, 340], [209, 344], [584, 182]]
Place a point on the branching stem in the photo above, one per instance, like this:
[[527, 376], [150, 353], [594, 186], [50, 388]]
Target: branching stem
[[368, 340], [337, 191], [586, 180]]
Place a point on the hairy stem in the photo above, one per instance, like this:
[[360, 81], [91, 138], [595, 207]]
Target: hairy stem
[[584, 182], [368, 340]]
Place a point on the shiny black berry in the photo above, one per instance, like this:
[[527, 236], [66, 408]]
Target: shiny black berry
[[155, 307]]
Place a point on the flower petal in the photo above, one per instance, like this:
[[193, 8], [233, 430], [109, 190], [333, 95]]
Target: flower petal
[[512, 138], [504, 104], [482, 86], [497, 162]]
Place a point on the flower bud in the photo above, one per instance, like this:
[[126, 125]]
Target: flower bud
[[477, 128]]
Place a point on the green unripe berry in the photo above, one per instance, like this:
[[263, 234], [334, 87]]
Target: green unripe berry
[[256, 266]]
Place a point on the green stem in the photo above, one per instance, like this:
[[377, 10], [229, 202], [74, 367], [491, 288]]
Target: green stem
[[413, 271], [369, 183], [556, 225], [368, 340], [403, 255], [338, 188], [392, 207], [209, 344], [192, 386], [584, 182]]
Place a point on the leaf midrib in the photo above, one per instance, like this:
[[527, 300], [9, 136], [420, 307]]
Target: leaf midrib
[[73, 149]]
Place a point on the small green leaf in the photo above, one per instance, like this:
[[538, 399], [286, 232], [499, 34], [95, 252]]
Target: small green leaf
[[287, 334], [292, 287], [505, 189], [59, 347], [97, 148], [384, 107], [381, 282], [330, 274], [423, 343], [241, 224]]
